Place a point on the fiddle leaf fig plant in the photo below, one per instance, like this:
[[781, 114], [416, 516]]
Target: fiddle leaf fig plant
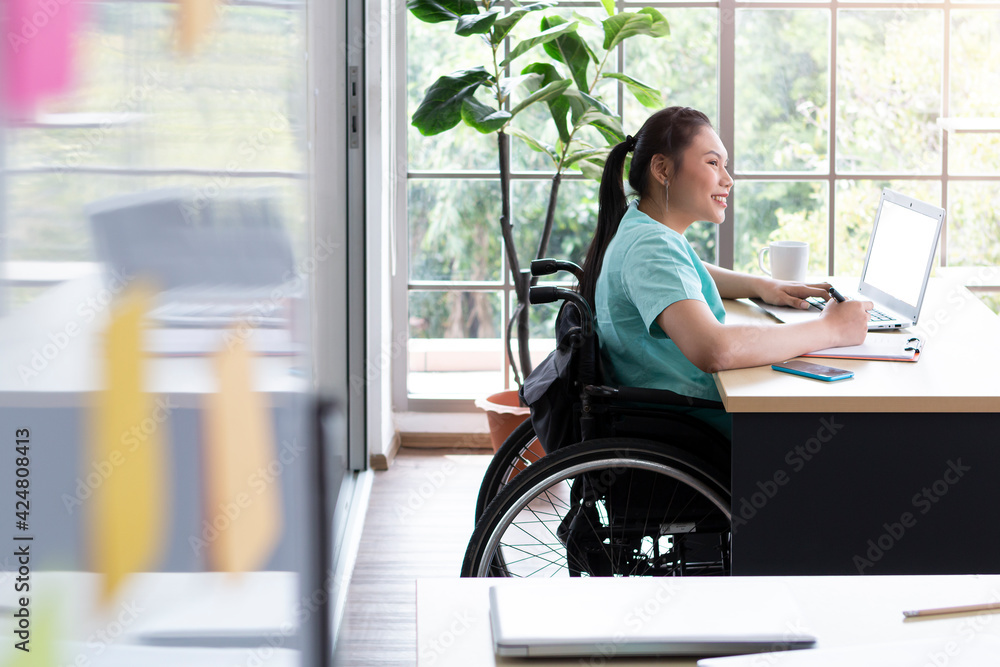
[[491, 93]]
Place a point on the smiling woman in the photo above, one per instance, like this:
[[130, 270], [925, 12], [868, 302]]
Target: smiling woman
[[659, 307]]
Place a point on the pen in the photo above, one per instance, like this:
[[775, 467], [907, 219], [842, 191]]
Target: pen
[[989, 606], [837, 295]]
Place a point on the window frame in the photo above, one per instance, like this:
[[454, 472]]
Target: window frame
[[726, 102]]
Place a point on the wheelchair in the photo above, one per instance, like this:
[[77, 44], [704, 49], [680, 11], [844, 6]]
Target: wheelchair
[[626, 486]]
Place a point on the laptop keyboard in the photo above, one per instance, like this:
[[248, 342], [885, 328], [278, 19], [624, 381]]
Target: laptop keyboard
[[874, 315]]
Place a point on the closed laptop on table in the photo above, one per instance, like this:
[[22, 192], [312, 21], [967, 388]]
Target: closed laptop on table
[[644, 616]]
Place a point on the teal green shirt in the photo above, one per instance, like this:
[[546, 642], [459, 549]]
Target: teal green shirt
[[646, 268]]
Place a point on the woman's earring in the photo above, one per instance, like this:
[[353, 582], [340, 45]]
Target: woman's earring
[[666, 193]]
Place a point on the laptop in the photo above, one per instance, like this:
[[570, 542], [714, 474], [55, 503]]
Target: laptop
[[897, 266], [643, 616]]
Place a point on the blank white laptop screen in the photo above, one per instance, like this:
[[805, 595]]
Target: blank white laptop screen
[[902, 245]]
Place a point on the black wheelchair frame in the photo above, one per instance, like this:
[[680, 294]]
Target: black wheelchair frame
[[640, 490]]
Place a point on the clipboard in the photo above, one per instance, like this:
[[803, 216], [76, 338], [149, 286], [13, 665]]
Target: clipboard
[[878, 347]]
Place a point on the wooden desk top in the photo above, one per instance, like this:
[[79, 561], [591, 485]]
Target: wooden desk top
[[958, 370], [453, 626]]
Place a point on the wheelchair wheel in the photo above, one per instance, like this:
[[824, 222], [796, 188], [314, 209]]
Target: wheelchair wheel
[[521, 449], [606, 507]]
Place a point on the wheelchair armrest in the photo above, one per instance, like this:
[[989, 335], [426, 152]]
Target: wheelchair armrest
[[548, 266], [646, 395]]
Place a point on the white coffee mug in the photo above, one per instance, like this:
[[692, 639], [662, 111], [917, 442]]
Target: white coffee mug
[[788, 260]]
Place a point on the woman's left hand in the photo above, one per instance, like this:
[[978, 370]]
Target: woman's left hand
[[785, 293]]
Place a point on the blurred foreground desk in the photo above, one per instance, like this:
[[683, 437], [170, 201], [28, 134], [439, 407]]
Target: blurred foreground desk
[[453, 628], [891, 472], [50, 365], [168, 619]]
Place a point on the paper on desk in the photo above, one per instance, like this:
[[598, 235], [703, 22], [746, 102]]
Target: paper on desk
[[242, 487], [880, 346], [129, 507], [954, 650]]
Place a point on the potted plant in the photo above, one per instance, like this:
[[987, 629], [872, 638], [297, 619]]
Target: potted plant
[[490, 94]]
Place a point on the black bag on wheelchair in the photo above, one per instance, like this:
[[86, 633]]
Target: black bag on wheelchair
[[552, 389]]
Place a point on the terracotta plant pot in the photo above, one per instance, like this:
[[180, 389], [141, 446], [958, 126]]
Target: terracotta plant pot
[[504, 413]]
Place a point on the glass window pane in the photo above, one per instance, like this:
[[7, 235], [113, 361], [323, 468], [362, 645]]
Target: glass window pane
[[434, 50], [781, 211], [683, 66], [973, 223], [889, 65], [454, 229], [573, 226], [975, 39], [537, 120], [782, 101], [153, 119], [455, 345], [857, 202]]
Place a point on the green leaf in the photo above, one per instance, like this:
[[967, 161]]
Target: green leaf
[[590, 170], [646, 95], [597, 104], [552, 90], [531, 81], [436, 11], [646, 21], [568, 49], [609, 6], [609, 126], [534, 144], [507, 22], [577, 105], [585, 154], [558, 106], [441, 108], [541, 38], [476, 24], [585, 20], [482, 117]]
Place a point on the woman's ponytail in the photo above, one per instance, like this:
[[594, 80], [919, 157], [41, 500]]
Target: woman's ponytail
[[611, 207]]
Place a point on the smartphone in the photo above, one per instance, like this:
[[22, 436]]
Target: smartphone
[[815, 371]]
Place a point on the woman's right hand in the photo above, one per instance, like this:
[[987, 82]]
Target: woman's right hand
[[849, 320]]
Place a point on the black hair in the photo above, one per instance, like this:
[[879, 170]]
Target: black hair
[[667, 132]]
